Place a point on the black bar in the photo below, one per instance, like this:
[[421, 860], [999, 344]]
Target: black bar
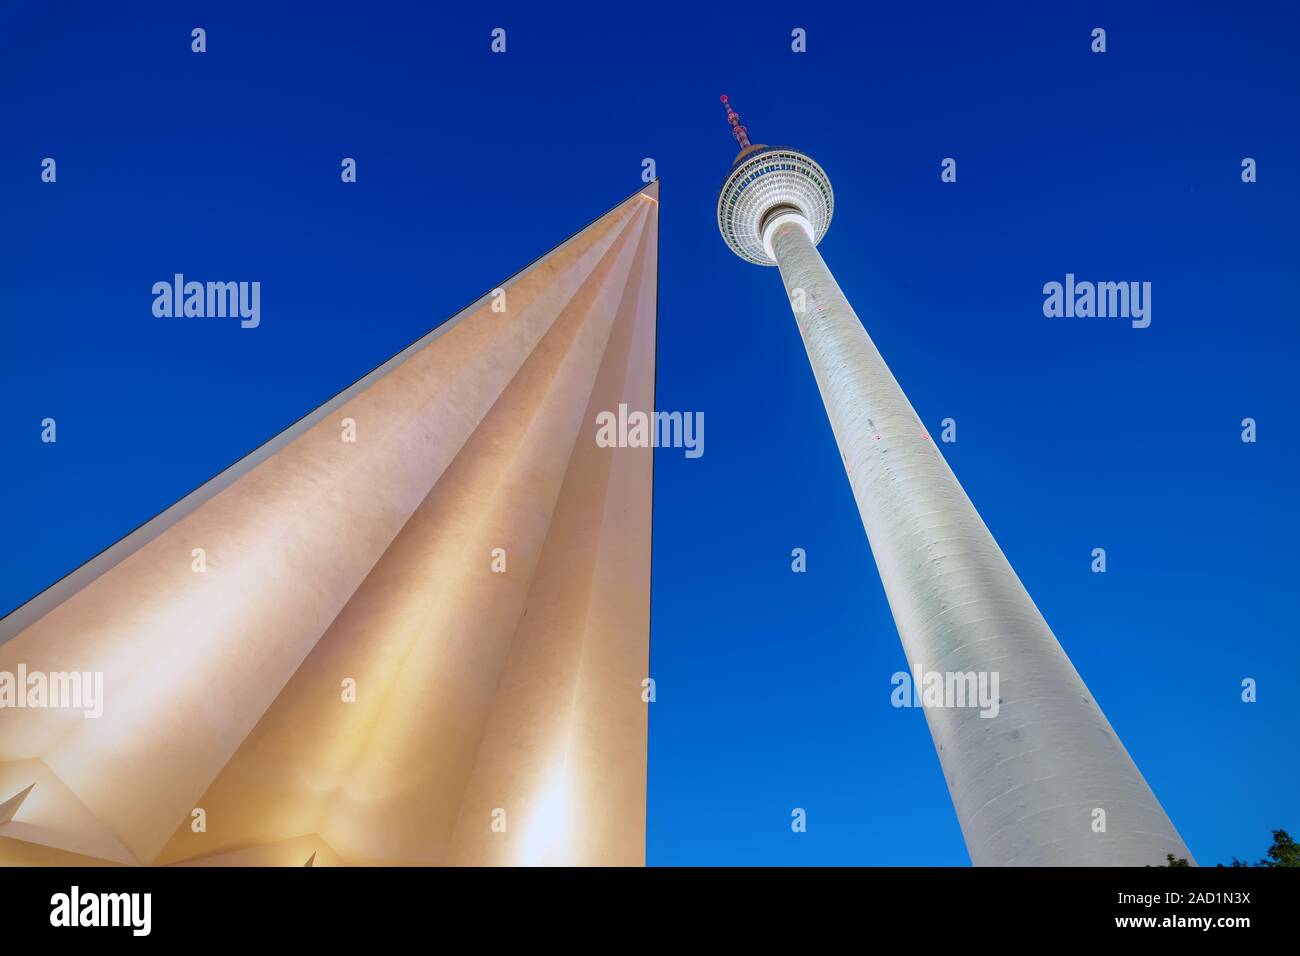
[[459, 909]]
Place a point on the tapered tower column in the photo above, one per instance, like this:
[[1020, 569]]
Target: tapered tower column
[[1043, 780]]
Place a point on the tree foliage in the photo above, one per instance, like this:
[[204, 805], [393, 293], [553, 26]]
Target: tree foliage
[[1284, 852]]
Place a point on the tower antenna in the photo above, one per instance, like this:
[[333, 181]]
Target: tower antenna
[[738, 131]]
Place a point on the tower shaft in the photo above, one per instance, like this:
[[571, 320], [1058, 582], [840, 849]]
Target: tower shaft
[[1027, 784]]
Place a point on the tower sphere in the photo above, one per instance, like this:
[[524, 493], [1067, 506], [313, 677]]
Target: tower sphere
[[767, 183]]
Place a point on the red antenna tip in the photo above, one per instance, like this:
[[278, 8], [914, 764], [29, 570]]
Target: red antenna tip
[[738, 131]]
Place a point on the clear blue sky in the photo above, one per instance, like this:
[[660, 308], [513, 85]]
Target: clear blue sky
[[773, 688]]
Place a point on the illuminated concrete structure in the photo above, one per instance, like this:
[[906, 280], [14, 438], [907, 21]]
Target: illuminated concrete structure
[[422, 646], [1029, 783]]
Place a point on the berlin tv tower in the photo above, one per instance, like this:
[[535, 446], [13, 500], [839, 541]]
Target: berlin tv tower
[[1045, 782]]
